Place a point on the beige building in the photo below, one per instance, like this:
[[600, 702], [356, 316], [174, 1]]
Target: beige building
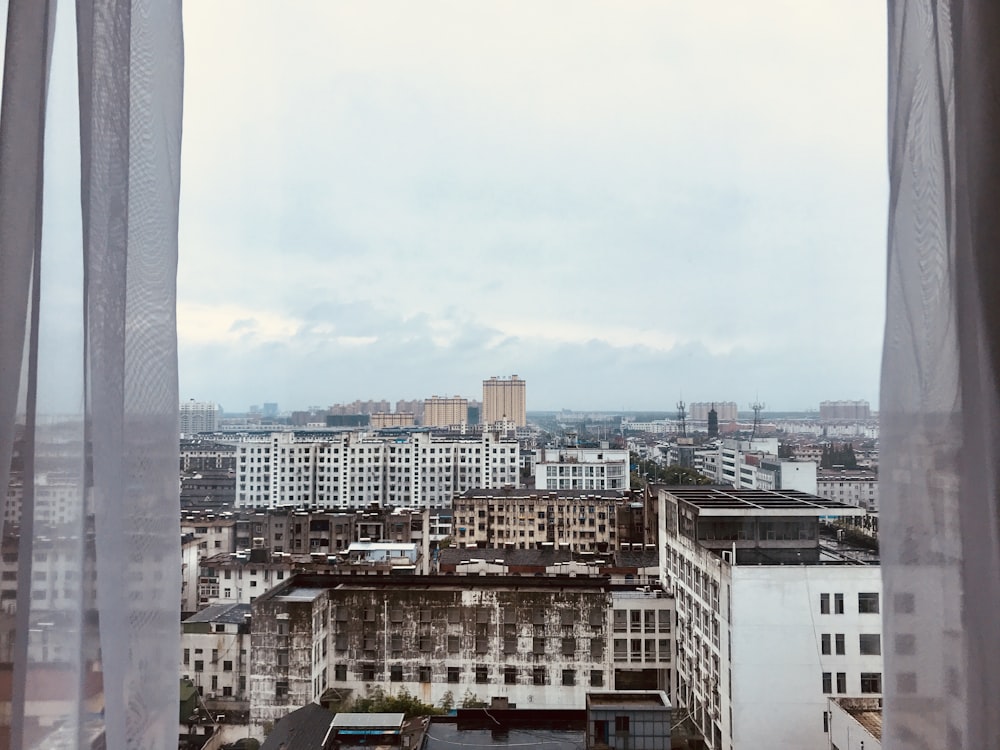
[[504, 398], [383, 419], [445, 412]]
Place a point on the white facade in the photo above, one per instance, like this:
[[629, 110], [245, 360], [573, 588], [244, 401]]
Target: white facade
[[215, 650], [581, 469], [762, 647], [754, 464], [859, 488], [356, 470], [198, 416]]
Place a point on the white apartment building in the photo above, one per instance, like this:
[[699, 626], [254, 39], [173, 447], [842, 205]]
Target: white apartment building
[[536, 641], [581, 469], [772, 617], [726, 411], [754, 464], [504, 399], [199, 416], [215, 655], [857, 487], [357, 470]]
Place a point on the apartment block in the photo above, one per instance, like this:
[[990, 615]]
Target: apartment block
[[446, 412], [543, 642], [581, 469], [854, 487], [199, 416], [504, 399], [568, 519], [353, 470], [774, 615]]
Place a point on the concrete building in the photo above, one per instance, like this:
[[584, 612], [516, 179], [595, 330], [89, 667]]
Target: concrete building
[[565, 519], [581, 469], [773, 616], [199, 416], [446, 412], [727, 411], [345, 471], [198, 454], [628, 720], [382, 419], [835, 410], [534, 641], [754, 464], [858, 487], [504, 399], [215, 651]]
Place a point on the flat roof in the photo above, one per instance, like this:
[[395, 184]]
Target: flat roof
[[368, 721], [629, 699], [730, 501], [299, 594], [231, 614]]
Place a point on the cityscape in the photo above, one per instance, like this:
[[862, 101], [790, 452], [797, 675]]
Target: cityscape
[[460, 554]]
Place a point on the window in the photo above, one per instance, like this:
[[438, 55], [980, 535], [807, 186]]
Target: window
[[596, 678], [838, 604], [825, 644], [453, 644], [227, 666], [539, 676], [482, 674], [868, 603], [906, 683], [824, 604], [187, 656], [396, 673], [510, 675], [906, 644], [281, 689], [871, 682], [340, 672], [827, 682], [838, 643], [453, 674], [568, 646], [199, 665], [424, 674], [870, 644], [904, 603], [368, 671], [841, 682], [569, 677], [621, 724]]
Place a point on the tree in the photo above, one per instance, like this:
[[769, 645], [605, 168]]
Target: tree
[[377, 701]]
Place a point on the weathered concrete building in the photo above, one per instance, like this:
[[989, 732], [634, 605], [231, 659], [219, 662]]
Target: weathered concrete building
[[523, 519], [536, 641], [215, 651]]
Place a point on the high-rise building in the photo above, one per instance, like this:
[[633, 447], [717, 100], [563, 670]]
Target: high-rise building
[[725, 411], [445, 412], [504, 398], [844, 410], [199, 416]]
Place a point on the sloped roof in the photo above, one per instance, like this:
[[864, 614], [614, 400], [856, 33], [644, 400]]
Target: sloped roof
[[303, 729]]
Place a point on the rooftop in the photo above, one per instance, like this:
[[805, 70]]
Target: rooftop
[[526, 493], [866, 711], [729, 501], [228, 614], [628, 699]]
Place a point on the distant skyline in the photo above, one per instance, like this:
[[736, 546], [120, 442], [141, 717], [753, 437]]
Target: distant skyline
[[625, 204]]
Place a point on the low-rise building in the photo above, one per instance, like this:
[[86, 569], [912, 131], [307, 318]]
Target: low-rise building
[[581, 469], [858, 487], [215, 651], [628, 720]]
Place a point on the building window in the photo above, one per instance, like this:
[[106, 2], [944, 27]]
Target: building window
[[838, 642], [824, 604], [199, 665], [871, 682], [906, 683], [187, 656], [340, 672], [621, 725], [868, 603], [568, 646], [904, 603], [227, 666], [368, 672], [424, 674], [482, 674], [510, 675], [539, 676], [569, 677], [870, 644], [453, 644], [906, 644], [827, 682], [826, 722], [825, 644], [396, 673], [841, 682], [453, 674], [280, 689], [596, 678], [838, 604]]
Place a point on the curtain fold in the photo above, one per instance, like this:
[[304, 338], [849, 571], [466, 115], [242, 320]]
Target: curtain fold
[[939, 397], [94, 633]]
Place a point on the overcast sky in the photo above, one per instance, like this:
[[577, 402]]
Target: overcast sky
[[622, 202]]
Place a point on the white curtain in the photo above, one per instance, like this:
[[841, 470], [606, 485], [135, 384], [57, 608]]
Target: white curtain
[[88, 375], [939, 409]]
